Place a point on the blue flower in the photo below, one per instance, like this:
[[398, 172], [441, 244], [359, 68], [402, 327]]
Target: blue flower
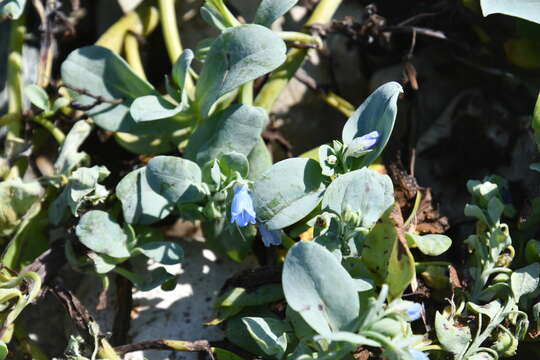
[[414, 311], [366, 142], [242, 212], [269, 237], [418, 355], [360, 145]]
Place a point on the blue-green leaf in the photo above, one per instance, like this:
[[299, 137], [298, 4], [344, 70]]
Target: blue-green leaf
[[153, 107], [164, 252], [176, 179], [270, 10], [141, 204], [377, 113], [235, 129], [38, 97], [319, 288], [287, 192], [240, 54], [99, 232], [362, 190]]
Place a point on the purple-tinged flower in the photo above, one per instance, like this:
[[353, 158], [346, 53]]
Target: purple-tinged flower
[[418, 355], [414, 310], [366, 142], [360, 145], [269, 237], [242, 211]]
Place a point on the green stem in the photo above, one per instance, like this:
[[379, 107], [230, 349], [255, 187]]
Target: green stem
[[299, 37], [140, 20], [133, 55], [169, 27], [171, 36], [279, 79], [57, 134], [14, 76], [246, 93]]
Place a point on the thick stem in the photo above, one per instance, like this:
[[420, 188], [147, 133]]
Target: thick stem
[[133, 55], [140, 20], [246, 93], [279, 79], [58, 135], [169, 27], [14, 76]]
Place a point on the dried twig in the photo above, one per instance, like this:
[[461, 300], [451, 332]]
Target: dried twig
[[97, 98]]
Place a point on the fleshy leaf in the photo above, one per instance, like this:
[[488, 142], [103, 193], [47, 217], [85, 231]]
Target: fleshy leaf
[[377, 113], [270, 10], [99, 232], [240, 54], [141, 204], [362, 190], [235, 129], [525, 280], [176, 179], [287, 192], [454, 339], [311, 277], [164, 252], [431, 244], [38, 97]]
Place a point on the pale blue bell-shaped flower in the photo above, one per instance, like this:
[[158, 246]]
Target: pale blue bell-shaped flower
[[269, 237], [242, 211], [418, 355], [367, 141], [414, 311]]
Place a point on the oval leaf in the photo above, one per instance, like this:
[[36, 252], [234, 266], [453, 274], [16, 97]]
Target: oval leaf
[[235, 129], [99, 232], [240, 54], [177, 179], [377, 113], [270, 10], [287, 192], [164, 252], [432, 244], [362, 190], [319, 288], [152, 107], [38, 97], [141, 204]]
